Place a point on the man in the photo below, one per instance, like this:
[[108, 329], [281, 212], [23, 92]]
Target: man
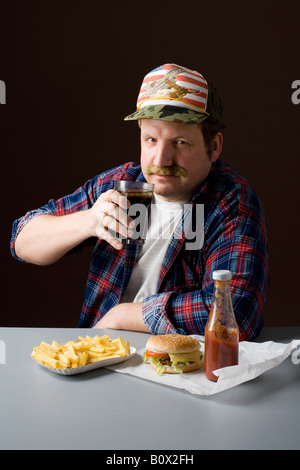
[[163, 287]]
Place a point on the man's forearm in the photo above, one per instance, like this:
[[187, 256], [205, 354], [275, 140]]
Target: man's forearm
[[46, 238], [127, 316]]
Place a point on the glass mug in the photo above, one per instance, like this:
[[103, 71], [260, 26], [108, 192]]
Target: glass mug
[[140, 195]]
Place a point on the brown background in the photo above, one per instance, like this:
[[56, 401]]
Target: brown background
[[73, 70]]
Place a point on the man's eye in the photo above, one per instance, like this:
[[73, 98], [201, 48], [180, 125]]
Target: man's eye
[[180, 142], [150, 140]]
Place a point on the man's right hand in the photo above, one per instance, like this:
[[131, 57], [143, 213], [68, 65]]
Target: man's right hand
[[107, 218]]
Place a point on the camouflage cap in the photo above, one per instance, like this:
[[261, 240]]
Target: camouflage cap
[[174, 93]]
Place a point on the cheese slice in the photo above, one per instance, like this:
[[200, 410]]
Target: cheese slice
[[186, 357]]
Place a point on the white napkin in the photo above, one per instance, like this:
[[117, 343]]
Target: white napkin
[[254, 360]]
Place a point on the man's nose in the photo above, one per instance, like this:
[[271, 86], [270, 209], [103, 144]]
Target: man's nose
[[164, 155]]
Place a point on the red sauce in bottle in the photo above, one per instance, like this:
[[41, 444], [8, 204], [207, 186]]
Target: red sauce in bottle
[[221, 330], [219, 353]]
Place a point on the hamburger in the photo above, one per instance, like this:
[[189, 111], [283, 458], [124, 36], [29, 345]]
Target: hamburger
[[173, 354]]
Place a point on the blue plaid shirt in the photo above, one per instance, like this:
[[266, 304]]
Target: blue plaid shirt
[[235, 239]]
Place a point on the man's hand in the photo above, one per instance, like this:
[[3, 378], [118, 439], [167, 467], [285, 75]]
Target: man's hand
[[127, 316], [108, 213]]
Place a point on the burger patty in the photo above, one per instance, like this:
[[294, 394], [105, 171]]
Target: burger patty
[[166, 362]]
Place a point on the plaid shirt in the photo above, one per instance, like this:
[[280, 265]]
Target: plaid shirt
[[235, 239]]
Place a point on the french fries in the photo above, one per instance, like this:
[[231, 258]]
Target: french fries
[[81, 352]]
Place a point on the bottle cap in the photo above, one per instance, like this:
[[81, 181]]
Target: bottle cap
[[222, 275]]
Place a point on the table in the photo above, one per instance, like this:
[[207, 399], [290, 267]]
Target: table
[[107, 410]]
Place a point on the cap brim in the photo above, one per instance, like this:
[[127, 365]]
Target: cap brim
[[168, 113]]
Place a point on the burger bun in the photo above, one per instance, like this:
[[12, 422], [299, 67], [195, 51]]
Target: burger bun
[[173, 344]]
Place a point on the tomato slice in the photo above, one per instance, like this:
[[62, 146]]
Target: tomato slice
[[150, 353]]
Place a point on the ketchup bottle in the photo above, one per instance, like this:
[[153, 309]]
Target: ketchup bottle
[[221, 330]]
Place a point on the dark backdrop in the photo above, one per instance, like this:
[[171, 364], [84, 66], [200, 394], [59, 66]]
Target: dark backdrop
[[73, 70]]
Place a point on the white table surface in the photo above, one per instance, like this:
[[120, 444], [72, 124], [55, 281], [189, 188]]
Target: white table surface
[[108, 410]]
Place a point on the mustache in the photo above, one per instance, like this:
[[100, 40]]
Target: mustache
[[174, 170]]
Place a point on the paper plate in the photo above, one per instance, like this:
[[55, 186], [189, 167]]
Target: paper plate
[[94, 365]]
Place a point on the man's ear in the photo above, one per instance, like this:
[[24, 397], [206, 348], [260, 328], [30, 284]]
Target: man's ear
[[217, 146]]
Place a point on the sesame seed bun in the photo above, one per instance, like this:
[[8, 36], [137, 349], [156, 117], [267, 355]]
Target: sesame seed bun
[[173, 344]]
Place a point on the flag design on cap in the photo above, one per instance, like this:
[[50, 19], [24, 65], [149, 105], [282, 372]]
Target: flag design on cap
[[174, 85]]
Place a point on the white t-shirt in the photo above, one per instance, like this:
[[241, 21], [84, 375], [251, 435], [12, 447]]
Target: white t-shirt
[[164, 217]]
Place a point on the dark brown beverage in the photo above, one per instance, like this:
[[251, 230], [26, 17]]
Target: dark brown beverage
[[140, 196]]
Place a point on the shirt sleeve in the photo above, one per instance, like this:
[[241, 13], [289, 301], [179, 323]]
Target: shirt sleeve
[[236, 240], [83, 198]]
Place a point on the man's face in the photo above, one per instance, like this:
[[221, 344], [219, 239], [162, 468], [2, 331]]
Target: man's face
[[170, 147]]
